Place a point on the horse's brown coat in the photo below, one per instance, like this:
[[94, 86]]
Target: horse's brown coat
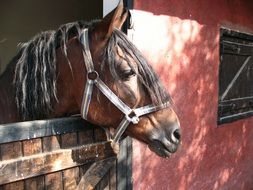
[[160, 130]]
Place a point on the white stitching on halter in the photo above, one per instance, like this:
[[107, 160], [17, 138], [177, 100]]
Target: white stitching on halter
[[131, 115]]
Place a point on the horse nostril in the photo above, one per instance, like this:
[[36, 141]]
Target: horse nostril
[[176, 135]]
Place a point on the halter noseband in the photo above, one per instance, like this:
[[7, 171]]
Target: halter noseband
[[131, 115]]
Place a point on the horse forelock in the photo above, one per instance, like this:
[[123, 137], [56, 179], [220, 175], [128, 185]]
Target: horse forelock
[[146, 74]]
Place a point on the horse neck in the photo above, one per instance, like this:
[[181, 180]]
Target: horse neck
[[8, 109], [69, 93]]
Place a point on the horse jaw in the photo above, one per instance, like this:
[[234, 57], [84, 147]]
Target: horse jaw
[[160, 150]]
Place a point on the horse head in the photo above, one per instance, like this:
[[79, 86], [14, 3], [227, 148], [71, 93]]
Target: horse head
[[124, 70], [96, 70]]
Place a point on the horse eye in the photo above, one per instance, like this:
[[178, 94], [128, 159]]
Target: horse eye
[[126, 74]]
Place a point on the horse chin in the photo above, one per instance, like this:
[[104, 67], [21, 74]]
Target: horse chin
[[161, 150]]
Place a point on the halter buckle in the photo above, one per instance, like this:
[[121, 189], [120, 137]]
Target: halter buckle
[[132, 117]]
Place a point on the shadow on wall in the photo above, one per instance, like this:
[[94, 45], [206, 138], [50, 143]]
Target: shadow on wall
[[21, 20], [185, 53]]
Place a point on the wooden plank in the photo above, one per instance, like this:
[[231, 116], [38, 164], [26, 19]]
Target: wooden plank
[[113, 176], [235, 77], [53, 181], [68, 140], [233, 117], [124, 165], [31, 166], [100, 135], [31, 147], [41, 128], [71, 178], [129, 180], [83, 169], [121, 166], [86, 137], [226, 32], [14, 186], [36, 183], [235, 48], [11, 150], [51, 143], [104, 184], [94, 174]]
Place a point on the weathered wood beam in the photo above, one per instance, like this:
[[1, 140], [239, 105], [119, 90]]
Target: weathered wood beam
[[35, 165], [95, 173], [41, 128]]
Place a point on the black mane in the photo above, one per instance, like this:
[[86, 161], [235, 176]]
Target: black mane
[[36, 72]]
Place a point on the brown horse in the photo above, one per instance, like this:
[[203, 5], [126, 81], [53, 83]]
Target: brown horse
[[47, 79]]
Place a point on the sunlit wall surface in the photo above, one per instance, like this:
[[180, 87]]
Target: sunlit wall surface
[[181, 41]]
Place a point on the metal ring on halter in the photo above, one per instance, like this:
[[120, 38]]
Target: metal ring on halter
[[132, 117], [92, 75]]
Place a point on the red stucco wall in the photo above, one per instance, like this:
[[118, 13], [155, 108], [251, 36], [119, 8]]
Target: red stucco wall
[[181, 40]]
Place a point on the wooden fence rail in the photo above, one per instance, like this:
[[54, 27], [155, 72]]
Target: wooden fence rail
[[56, 153]]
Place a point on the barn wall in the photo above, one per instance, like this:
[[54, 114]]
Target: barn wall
[[181, 40], [21, 20]]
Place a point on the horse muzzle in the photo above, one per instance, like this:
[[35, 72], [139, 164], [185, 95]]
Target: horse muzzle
[[166, 144]]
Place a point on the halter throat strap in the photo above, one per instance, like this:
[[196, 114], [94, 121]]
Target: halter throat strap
[[131, 115]]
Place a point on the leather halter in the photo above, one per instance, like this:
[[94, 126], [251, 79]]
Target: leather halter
[[131, 115]]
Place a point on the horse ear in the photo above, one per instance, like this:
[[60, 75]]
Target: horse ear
[[115, 19]]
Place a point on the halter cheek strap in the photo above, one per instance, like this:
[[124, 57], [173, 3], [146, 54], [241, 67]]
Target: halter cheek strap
[[131, 115]]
